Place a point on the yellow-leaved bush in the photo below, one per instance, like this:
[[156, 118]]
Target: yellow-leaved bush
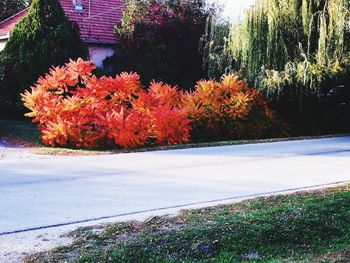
[[228, 109]]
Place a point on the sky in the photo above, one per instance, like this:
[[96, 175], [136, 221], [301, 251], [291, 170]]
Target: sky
[[234, 8]]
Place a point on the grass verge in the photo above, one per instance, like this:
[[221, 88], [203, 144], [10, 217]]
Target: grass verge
[[25, 133], [303, 227]]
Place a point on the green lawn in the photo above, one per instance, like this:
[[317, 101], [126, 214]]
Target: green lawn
[[304, 227]]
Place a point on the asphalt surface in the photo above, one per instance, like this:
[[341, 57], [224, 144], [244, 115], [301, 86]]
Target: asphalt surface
[[42, 192]]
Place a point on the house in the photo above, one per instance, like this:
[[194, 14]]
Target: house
[[96, 20], [7, 26]]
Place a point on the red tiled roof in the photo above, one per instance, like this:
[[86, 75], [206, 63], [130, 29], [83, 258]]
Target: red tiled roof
[[8, 24], [99, 28], [104, 15]]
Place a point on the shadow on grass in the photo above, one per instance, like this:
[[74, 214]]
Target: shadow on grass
[[19, 133]]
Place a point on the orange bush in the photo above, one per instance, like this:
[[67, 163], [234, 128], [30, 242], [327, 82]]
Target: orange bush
[[228, 109], [74, 107]]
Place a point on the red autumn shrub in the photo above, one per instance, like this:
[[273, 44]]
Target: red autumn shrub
[[74, 107], [228, 109]]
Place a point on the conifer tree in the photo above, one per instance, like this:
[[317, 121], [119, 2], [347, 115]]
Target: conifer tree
[[45, 37], [10, 7]]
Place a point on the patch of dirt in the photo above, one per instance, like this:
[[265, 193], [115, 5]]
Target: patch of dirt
[[338, 257], [13, 248]]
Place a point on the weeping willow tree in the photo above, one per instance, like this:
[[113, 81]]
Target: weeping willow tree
[[213, 44], [290, 48]]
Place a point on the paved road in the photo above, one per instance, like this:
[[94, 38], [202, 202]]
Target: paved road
[[39, 191]]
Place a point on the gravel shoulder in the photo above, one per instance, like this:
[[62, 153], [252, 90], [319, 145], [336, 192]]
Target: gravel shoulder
[[10, 151]]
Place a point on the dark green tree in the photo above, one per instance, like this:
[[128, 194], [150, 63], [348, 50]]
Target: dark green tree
[[160, 41], [45, 37], [11, 7]]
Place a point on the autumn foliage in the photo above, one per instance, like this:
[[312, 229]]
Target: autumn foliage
[[75, 108], [228, 109]]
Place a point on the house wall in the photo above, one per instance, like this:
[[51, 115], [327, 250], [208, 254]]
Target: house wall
[[98, 53], [2, 43]]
